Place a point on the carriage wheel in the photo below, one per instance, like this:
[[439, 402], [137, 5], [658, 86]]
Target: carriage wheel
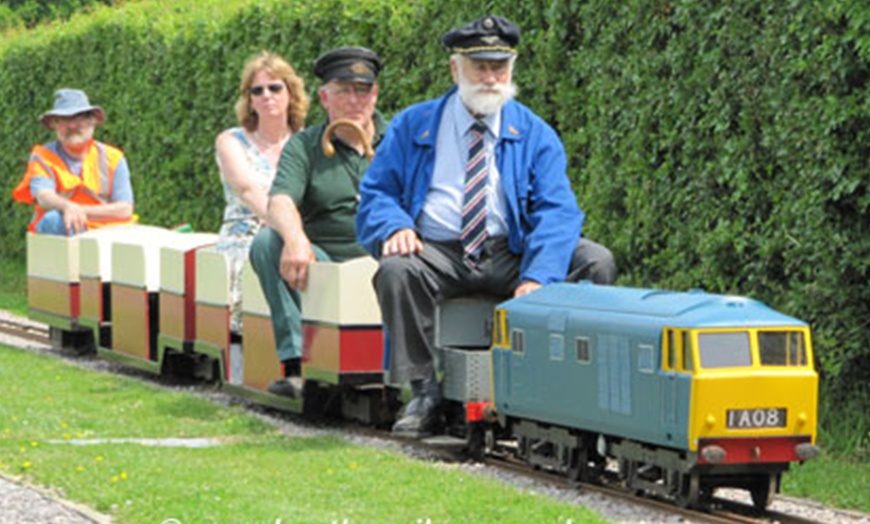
[[475, 442]]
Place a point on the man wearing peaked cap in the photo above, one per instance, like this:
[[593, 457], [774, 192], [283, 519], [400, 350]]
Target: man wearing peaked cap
[[348, 64], [313, 200], [468, 193], [488, 38], [75, 182]]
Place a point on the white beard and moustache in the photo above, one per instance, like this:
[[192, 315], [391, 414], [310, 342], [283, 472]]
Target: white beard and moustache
[[482, 99]]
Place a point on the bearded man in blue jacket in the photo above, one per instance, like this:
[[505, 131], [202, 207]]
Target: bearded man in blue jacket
[[468, 193]]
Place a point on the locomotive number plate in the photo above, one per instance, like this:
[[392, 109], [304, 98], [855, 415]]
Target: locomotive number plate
[[756, 418]]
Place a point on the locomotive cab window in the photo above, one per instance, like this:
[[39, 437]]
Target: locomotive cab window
[[677, 350], [687, 360], [724, 349], [781, 348], [518, 342]]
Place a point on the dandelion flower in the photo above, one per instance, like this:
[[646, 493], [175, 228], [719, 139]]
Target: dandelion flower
[[123, 475], [99, 458], [64, 425], [34, 444], [114, 478], [67, 436], [27, 465]]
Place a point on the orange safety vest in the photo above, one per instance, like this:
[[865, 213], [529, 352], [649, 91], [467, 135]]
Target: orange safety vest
[[91, 189]]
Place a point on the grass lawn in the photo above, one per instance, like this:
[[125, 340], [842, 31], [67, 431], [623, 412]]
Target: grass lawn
[[259, 475], [13, 286], [255, 474]]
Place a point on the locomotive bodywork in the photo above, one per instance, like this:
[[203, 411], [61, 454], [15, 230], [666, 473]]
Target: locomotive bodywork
[[689, 391]]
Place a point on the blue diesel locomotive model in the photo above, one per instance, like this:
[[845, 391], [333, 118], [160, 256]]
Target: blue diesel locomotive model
[[687, 392]]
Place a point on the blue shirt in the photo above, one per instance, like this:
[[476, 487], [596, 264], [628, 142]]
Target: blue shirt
[[441, 218], [122, 190]]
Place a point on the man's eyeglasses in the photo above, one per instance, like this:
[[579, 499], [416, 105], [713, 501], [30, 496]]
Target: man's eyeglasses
[[360, 90], [273, 88]]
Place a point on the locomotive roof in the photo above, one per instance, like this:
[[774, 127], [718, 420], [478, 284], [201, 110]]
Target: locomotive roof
[[686, 309]]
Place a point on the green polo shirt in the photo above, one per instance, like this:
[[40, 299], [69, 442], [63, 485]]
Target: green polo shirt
[[325, 189]]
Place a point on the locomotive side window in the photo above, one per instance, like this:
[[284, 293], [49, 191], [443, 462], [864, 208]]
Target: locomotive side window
[[518, 342], [677, 350], [669, 351], [581, 348], [688, 363], [645, 358], [557, 347], [781, 348], [724, 350]]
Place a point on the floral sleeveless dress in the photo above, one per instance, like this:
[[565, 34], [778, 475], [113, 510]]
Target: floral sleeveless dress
[[240, 224]]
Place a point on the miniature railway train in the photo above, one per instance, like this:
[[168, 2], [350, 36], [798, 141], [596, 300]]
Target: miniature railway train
[[684, 392]]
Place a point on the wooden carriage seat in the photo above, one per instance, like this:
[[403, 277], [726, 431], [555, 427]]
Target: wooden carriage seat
[[341, 323], [53, 290], [136, 270]]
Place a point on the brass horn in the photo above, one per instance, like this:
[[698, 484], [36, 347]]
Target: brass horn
[[326, 143]]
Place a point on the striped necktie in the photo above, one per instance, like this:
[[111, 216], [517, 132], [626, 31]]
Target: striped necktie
[[474, 201]]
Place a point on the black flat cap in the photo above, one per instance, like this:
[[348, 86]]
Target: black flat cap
[[348, 64], [488, 38]]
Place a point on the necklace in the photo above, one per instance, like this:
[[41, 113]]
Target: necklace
[[269, 146]]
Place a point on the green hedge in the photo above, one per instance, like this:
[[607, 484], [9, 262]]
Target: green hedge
[[29, 13], [717, 146]]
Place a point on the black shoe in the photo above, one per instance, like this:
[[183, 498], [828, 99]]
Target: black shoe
[[290, 387], [421, 419]]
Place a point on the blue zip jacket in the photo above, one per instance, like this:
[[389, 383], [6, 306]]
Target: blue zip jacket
[[543, 217]]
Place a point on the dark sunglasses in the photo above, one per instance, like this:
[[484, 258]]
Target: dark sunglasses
[[273, 88]]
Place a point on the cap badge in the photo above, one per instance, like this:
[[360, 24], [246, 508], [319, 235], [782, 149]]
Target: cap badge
[[361, 69], [488, 23], [489, 39]]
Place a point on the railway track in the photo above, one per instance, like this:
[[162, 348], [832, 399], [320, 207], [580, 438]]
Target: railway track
[[449, 450], [719, 511], [31, 332]]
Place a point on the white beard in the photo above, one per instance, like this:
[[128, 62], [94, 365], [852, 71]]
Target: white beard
[[481, 99]]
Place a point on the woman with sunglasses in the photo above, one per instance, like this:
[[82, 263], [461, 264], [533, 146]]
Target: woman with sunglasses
[[272, 106]]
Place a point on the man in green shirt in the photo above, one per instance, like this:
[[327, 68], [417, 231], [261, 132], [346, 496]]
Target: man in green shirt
[[314, 198]]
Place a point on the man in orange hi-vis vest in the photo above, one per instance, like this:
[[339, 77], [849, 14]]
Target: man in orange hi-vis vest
[[76, 182]]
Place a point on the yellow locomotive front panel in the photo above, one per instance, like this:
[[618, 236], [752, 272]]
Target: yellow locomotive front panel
[[754, 395]]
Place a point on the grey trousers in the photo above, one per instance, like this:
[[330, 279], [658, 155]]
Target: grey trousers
[[410, 287], [284, 302]]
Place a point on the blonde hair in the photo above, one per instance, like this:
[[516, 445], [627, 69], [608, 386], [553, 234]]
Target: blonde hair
[[297, 109]]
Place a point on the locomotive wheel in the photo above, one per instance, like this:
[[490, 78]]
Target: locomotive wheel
[[585, 469], [762, 491], [691, 491]]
